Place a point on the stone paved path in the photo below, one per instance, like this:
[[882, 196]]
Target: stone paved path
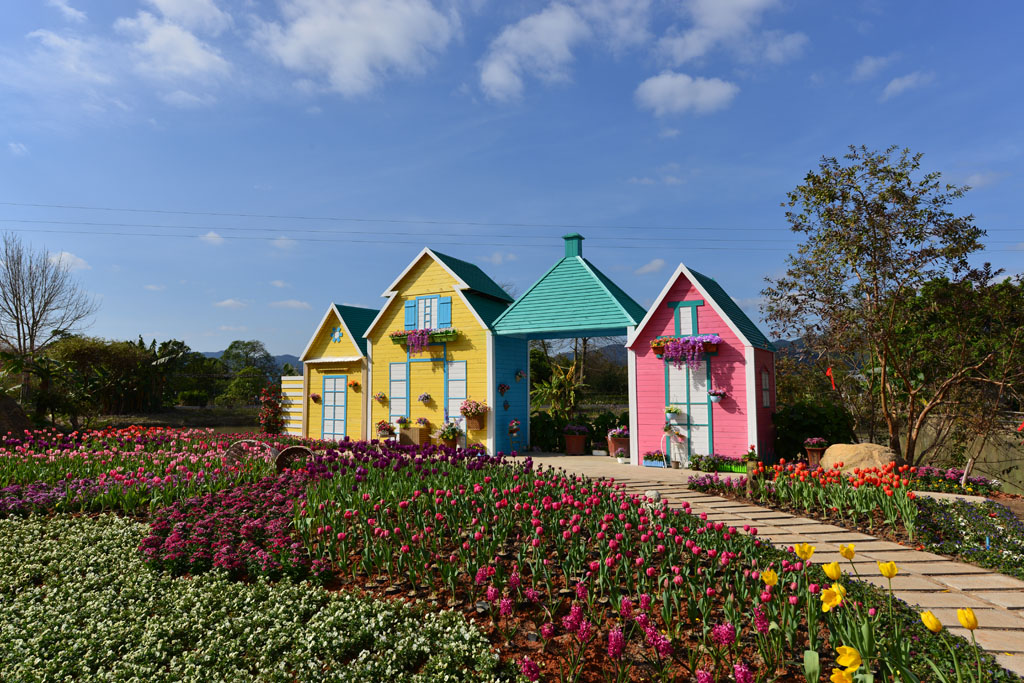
[[929, 581]]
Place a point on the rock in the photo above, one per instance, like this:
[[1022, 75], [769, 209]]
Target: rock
[[854, 455], [12, 417], [654, 495]]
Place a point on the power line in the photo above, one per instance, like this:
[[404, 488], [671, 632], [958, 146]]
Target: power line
[[411, 221]]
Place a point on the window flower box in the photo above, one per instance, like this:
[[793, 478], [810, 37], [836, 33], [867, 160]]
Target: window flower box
[[475, 413]]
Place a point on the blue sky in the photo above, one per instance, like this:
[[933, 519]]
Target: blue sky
[[670, 130]]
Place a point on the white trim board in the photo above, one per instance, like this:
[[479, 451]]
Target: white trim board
[[334, 359], [334, 309]]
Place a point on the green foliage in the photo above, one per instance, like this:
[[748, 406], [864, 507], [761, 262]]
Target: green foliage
[[271, 411], [244, 389], [193, 397], [546, 431], [80, 604], [241, 355], [562, 392], [805, 419], [540, 366], [607, 421]]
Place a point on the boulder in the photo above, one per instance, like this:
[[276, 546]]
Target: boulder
[[12, 417], [854, 455]]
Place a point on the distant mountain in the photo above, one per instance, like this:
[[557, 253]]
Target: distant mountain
[[616, 354], [280, 360]]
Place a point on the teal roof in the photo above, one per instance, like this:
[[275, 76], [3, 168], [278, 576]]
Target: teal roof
[[486, 307], [574, 296], [358, 320], [734, 312], [477, 279]]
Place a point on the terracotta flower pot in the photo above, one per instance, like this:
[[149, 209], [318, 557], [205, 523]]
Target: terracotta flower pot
[[575, 444], [814, 456], [614, 444], [475, 421], [710, 348], [449, 443]]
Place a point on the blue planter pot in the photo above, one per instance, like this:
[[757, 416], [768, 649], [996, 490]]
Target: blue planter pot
[[654, 464]]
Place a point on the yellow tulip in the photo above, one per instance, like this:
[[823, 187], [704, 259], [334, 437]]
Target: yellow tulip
[[832, 570], [804, 551], [840, 676], [847, 551], [769, 577], [849, 658], [888, 569], [931, 621], [832, 597], [967, 618]]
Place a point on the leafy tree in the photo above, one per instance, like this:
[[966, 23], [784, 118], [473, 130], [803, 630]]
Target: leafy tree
[[244, 389], [876, 232], [249, 354]]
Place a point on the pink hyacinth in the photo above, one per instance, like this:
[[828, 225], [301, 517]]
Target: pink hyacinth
[[547, 631], [761, 623], [626, 608], [529, 669], [743, 674], [723, 635], [492, 594], [704, 677], [506, 607], [616, 643]]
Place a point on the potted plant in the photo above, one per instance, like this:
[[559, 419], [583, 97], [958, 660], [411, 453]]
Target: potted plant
[[380, 397], [354, 385], [672, 411], [658, 346], [716, 395], [449, 434], [474, 412], [575, 439], [502, 388], [654, 459], [690, 350], [618, 438], [385, 430], [411, 433], [425, 398], [752, 462], [622, 456], [520, 375], [815, 447], [314, 397], [513, 428]]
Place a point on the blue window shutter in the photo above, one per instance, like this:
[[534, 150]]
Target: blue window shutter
[[410, 315], [444, 312]]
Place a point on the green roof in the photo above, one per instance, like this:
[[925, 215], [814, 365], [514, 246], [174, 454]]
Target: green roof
[[574, 296], [477, 279], [732, 310], [358, 320], [486, 307]]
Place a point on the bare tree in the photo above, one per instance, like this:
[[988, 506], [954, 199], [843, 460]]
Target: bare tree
[[39, 300]]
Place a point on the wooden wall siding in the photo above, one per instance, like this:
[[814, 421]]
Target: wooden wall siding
[[323, 347], [291, 401], [352, 370], [427, 277], [765, 360], [510, 354], [569, 286], [729, 417]]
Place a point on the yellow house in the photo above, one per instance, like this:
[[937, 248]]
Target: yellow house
[[460, 303], [335, 375]]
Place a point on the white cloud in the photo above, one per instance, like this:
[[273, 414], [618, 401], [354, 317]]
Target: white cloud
[[652, 266], [902, 84], [283, 242], [642, 181], [499, 257], [676, 93], [230, 303], [167, 50], [74, 58], [290, 303], [18, 149], [981, 179], [69, 12], [196, 15], [779, 47], [279, 283], [186, 100], [69, 261], [716, 22], [623, 23], [212, 238], [354, 44], [232, 328], [155, 288], [539, 45], [868, 67]]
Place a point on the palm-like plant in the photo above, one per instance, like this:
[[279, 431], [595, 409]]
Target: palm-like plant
[[561, 392]]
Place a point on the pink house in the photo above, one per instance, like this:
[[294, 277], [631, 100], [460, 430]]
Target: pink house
[[743, 366]]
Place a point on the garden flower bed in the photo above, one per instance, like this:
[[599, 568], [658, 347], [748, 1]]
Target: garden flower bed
[[119, 620], [567, 578]]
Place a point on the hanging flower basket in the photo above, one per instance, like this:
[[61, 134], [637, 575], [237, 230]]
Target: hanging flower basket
[[658, 346], [418, 340], [690, 350]]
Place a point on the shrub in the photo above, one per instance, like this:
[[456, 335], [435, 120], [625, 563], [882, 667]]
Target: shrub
[[193, 397], [804, 419]]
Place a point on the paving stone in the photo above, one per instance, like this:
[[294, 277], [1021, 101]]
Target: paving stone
[[785, 538], [846, 536], [902, 556], [946, 567], [981, 582], [1012, 600], [791, 521], [994, 618], [1014, 663], [904, 583], [992, 639], [868, 546], [813, 529], [944, 599]]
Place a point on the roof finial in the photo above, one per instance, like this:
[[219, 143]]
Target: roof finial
[[573, 244]]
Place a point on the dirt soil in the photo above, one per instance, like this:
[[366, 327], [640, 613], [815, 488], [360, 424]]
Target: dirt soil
[[226, 419]]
